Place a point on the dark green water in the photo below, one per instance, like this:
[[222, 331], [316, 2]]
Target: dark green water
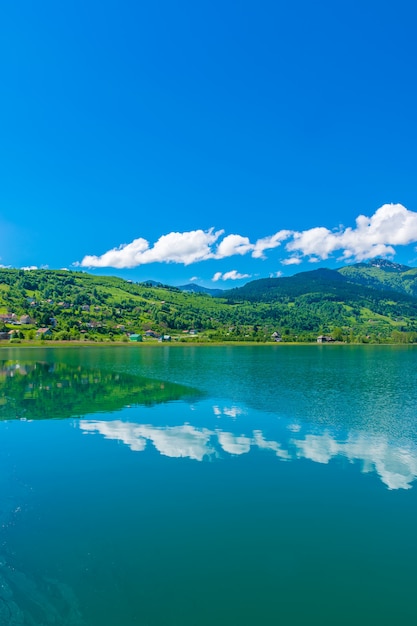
[[199, 486]]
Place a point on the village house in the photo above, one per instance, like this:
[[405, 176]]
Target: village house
[[150, 333], [8, 318], [43, 332], [324, 339], [135, 337], [26, 319], [94, 324]]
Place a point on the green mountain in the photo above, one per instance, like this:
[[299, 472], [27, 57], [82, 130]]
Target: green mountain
[[365, 302], [345, 299], [193, 288], [383, 275], [349, 285]]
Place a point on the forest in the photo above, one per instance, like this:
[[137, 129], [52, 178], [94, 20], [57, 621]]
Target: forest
[[363, 303]]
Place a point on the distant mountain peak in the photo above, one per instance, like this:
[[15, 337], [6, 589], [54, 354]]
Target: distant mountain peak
[[388, 265], [194, 288]]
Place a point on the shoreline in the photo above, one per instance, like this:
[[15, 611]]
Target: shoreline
[[176, 344]]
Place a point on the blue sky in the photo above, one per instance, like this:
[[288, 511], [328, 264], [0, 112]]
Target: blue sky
[[208, 141]]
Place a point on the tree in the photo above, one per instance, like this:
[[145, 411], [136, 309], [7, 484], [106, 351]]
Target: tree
[[337, 334]]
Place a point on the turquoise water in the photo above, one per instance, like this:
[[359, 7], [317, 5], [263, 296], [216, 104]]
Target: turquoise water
[[208, 485]]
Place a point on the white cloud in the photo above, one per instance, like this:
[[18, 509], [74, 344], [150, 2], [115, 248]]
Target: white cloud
[[188, 247], [268, 243], [232, 275], [232, 245], [29, 268], [319, 241], [391, 225], [126, 255], [293, 260]]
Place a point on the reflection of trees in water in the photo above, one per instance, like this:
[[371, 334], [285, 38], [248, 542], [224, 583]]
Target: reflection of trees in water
[[40, 390]]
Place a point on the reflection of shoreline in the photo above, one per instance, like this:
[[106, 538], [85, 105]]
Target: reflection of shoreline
[[394, 462], [39, 390]]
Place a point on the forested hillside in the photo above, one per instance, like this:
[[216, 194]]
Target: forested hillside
[[383, 275], [76, 306]]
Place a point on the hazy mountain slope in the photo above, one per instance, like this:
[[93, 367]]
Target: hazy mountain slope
[[193, 288]]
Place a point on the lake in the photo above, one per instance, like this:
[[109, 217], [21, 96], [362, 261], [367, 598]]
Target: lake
[[208, 485]]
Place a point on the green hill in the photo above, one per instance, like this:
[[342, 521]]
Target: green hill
[[325, 299], [383, 275], [364, 302]]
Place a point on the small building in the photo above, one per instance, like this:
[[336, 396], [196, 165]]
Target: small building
[[43, 332], [26, 319], [165, 338], [8, 318], [276, 336], [4, 335], [135, 337], [324, 339]]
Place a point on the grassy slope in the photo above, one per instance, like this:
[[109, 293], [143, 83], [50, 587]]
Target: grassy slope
[[300, 306]]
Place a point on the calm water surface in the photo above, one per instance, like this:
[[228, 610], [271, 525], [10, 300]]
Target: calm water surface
[[197, 486]]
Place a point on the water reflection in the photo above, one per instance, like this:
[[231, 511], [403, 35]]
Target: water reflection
[[173, 441], [38, 390], [395, 462], [211, 430]]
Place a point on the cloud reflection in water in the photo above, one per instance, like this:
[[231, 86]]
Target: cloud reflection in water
[[394, 462]]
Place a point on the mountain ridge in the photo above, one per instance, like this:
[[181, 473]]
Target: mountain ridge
[[379, 274], [363, 303]]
